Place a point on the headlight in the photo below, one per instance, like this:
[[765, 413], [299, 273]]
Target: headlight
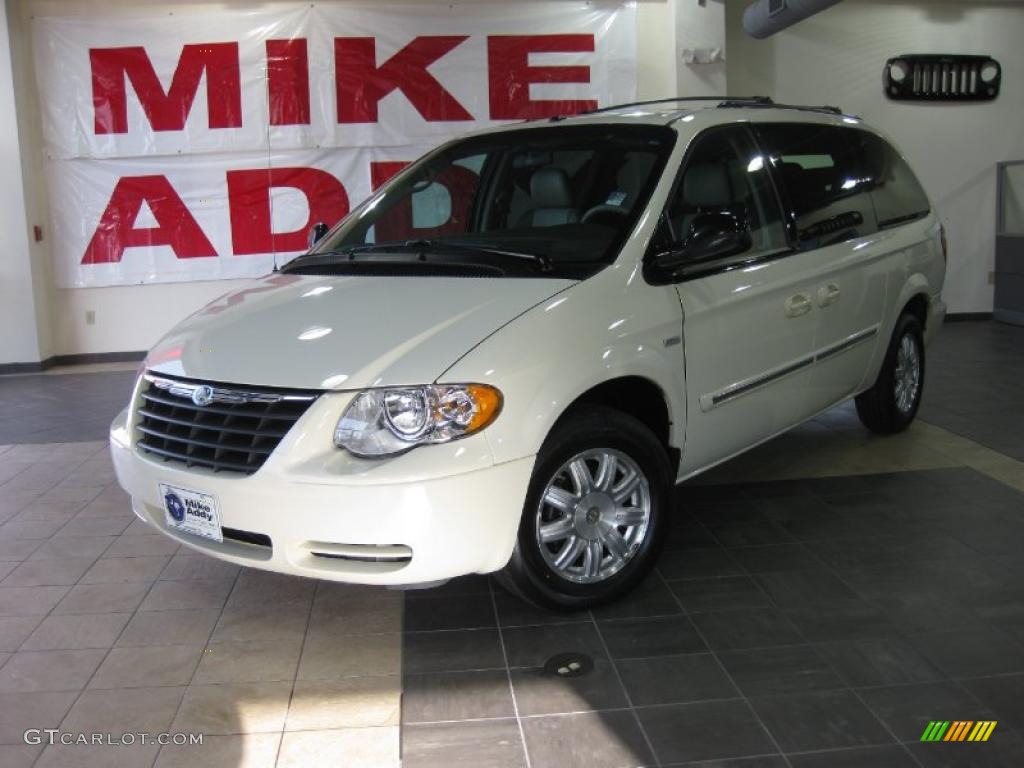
[[385, 422]]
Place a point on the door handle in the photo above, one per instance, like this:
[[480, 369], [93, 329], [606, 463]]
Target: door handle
[[798, 304], [827, 294]]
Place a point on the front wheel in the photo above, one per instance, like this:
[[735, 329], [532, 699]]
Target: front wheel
[[595, 514], [891, 404]]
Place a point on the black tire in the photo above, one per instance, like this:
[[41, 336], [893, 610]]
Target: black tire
[[527, 573], [878, 407]]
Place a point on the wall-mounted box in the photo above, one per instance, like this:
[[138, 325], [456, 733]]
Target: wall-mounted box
[[1008, 305]]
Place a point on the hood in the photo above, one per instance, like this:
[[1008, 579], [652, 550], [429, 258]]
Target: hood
[[315, 332]]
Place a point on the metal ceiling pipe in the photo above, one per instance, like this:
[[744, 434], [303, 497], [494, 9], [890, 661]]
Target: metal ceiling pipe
[[766, 17]]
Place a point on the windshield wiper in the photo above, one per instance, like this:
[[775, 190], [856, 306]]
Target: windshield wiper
[[440, 245], [334, 256], [418, 247]]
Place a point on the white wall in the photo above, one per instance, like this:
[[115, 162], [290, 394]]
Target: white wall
[[19, 270], [837, 58], [655, 49], [700, 28], [129, 318]]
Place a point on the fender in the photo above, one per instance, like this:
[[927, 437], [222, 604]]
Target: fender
[[923, 273], [595, 332], [920, 273]]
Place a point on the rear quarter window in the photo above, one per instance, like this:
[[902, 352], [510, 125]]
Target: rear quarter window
[[897, 194], [841, 183]]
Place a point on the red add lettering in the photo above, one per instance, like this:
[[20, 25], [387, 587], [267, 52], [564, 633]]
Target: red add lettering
[[111, 67], [510, 74], [117, 231], [382, 170], [397, 223], [361, 84], [249, 201]]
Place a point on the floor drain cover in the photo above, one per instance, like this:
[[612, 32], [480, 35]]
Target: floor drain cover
[[569, 665]]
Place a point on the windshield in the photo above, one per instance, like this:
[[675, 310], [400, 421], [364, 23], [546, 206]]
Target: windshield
[[554, 201]]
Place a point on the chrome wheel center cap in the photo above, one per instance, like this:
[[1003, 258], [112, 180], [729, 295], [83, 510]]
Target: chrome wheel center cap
[[593, 510]]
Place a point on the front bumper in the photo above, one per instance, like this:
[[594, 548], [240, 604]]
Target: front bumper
[[431, 514]]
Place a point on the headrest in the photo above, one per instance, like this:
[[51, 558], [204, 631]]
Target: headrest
[[707, 186], [549, 188], [633, 174], [806, 186]]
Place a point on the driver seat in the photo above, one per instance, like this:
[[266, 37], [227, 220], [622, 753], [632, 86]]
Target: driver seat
[[552, 199], [706, 188]]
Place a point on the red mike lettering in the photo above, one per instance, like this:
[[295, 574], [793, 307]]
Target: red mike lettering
[[361, 84], [112, 67], [288, 81], [510, 75]]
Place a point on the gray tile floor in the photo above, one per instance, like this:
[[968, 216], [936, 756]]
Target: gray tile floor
[[976, 384], [818, 622], [61, 408], [108, 627]]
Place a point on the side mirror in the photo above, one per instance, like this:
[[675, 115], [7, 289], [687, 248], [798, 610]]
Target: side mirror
[[711, 236], [716, 236], [317, 233]]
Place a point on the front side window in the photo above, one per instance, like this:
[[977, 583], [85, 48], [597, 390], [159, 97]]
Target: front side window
[[828, 178], [725, 173], [565, 196]]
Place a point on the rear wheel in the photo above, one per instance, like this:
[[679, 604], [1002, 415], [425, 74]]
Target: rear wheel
[[595, 512], [891, 404]]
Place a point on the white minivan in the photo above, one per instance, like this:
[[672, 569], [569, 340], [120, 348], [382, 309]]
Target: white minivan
[[507, 357]]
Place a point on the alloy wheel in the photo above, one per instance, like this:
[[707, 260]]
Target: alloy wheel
[[908, 373], [593, 515]]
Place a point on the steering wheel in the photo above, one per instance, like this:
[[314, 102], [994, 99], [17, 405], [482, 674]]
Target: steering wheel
[[602, 210]]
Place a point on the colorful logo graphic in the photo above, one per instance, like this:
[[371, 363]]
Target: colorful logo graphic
[[175, 505], [958, 730]]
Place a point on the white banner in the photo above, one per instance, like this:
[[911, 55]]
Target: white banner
[[203, 145]]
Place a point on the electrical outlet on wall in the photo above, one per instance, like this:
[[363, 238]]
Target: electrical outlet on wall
[[90, 317]]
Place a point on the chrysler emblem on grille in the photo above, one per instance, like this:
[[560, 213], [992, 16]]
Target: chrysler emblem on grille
[[202, 395]]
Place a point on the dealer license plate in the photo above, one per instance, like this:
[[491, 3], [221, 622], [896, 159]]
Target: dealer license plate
[[191, 511]]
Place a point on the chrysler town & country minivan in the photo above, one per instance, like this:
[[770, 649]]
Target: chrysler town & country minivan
[[507, 357]]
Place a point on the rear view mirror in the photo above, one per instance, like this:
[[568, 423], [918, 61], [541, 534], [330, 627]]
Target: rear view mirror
[[317, 233]]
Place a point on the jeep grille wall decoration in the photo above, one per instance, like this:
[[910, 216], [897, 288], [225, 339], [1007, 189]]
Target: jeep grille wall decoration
[[942, 77]]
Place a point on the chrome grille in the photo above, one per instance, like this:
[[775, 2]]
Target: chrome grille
[[219, 427]]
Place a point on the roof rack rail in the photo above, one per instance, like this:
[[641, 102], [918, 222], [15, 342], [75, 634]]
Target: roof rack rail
[[733, 103], [738, 100]]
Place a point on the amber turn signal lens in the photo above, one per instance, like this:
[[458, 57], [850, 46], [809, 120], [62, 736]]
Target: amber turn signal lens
[[488, 404]]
